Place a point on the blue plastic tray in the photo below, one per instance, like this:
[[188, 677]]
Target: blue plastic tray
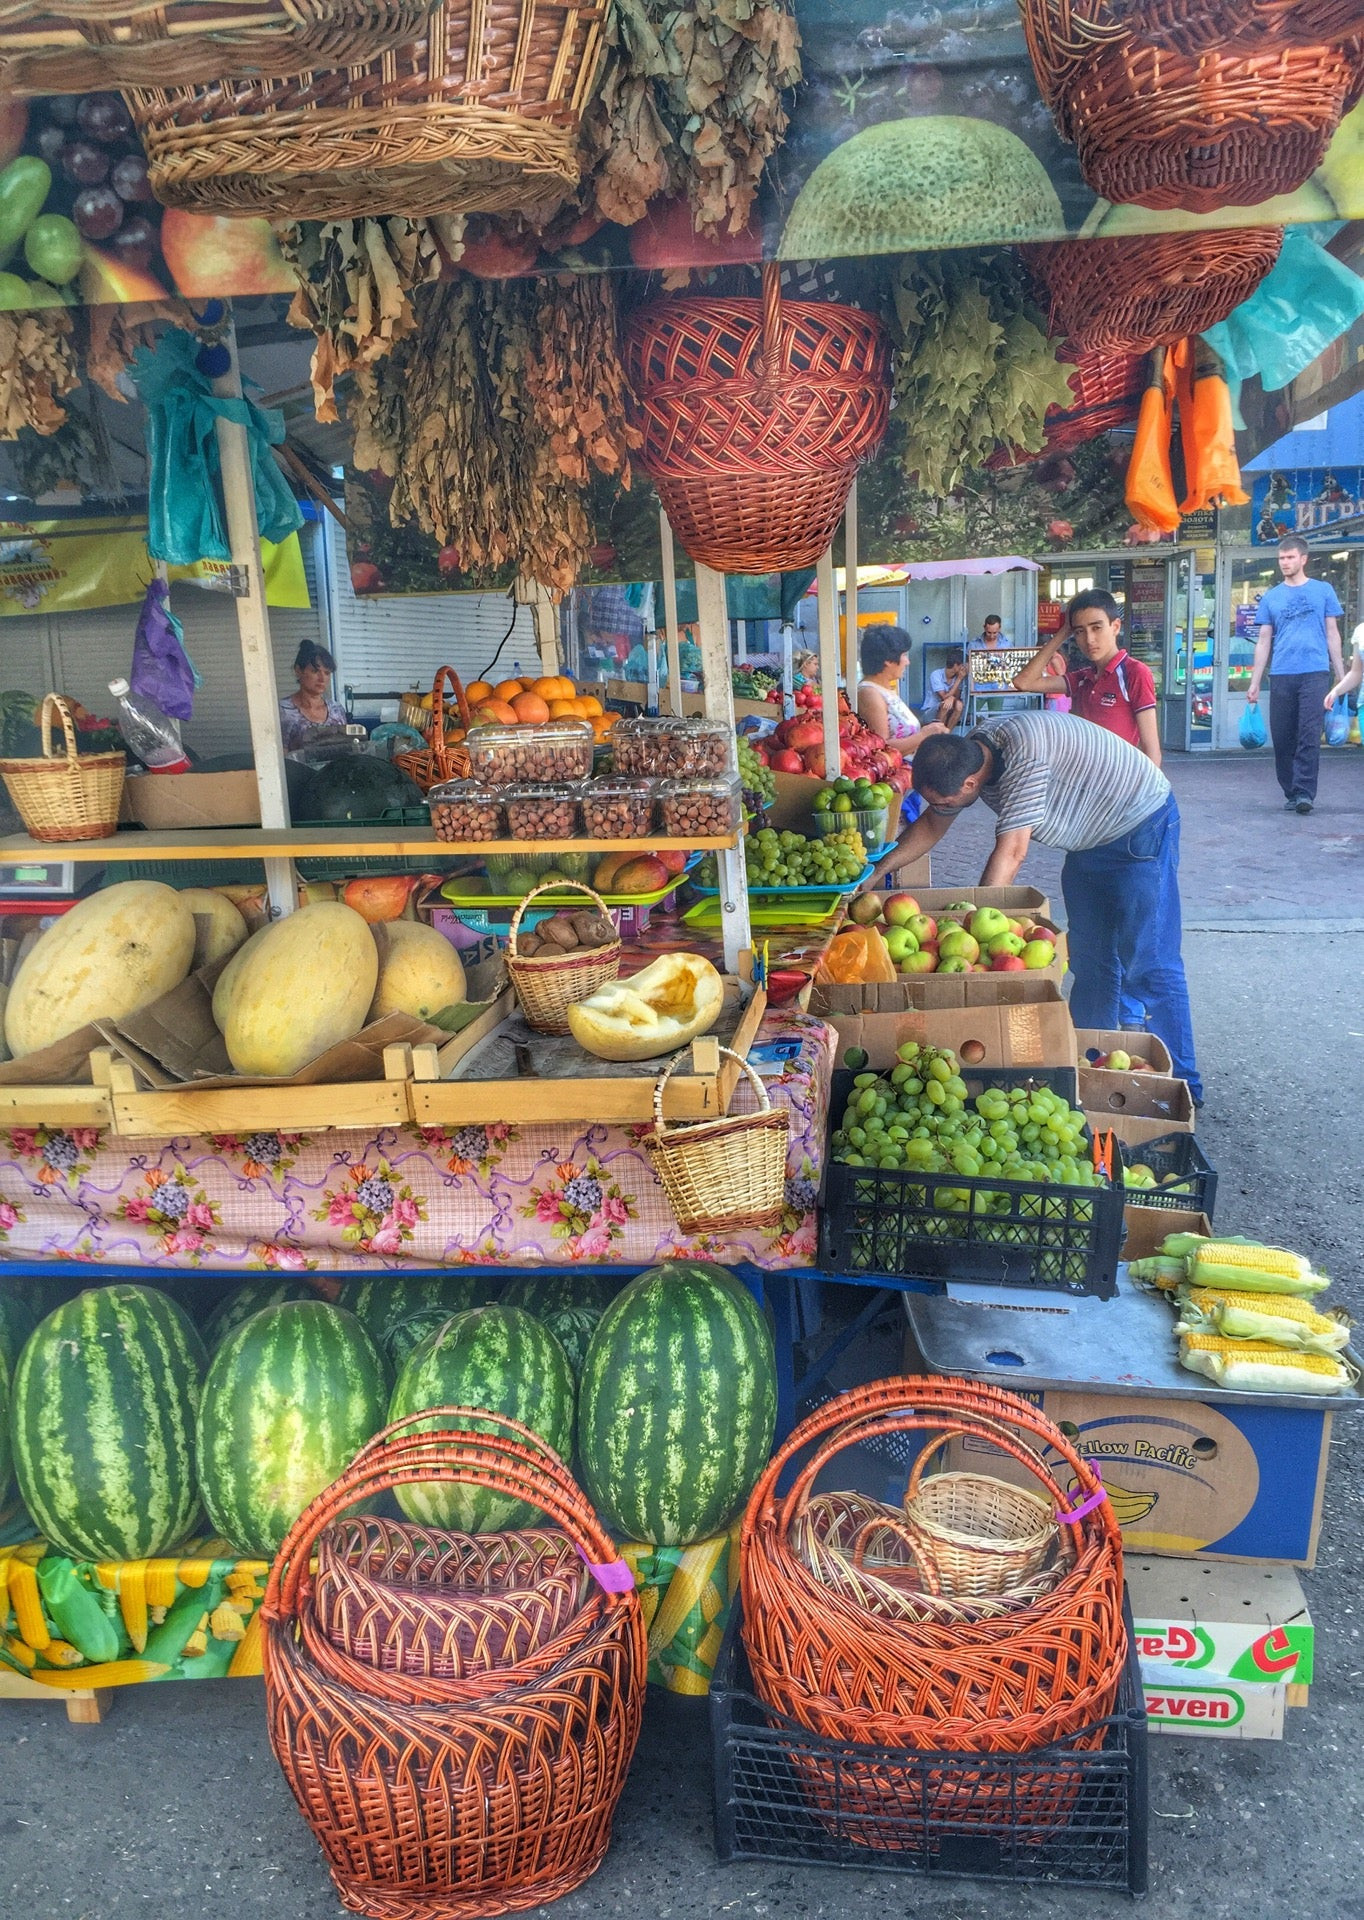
[[796, 893]]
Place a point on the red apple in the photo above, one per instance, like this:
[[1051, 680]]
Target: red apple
[[1008, 963], [900, 909], [210, 255]]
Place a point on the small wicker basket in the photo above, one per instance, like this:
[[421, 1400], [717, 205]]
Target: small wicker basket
[[547, 985], [438, 760], [982, 1535], [71, 797], [1134, 292], [722, 1176]]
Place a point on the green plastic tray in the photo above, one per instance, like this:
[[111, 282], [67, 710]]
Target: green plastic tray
[[454, 891]]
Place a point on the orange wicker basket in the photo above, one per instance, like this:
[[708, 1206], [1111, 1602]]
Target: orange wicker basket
[[756, 416], [478, 114], [446, 1807], [1194, 25], [1197, 131], [1129, 294], [1107, 388], [437, 760]]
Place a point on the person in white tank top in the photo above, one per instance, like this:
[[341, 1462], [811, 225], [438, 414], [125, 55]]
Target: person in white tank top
[[885, 654]]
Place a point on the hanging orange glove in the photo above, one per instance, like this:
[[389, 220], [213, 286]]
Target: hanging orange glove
[[1211, 470], [1150, 485]]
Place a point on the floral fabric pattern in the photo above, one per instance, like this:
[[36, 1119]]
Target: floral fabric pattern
[[551, 1194]]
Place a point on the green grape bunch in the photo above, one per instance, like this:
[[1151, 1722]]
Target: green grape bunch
[[790, 860], [754, 775]]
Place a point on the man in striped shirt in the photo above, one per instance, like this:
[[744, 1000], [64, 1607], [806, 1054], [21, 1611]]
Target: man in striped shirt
[[1080, 788]]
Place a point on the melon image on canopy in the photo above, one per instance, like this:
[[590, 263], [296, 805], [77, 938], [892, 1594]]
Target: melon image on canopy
[[944, 180]]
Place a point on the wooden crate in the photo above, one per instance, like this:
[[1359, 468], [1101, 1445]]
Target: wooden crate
[[318, 1108]]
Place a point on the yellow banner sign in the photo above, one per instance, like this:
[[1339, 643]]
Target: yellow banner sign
[[51, 566]]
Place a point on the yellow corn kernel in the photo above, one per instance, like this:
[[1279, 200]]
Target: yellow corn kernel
[[161, 1583], [20, 1651], [1284, 1306], [1232, 1253], [61, 1653], [107, 1575], [28, 1609], [132, 1601], [225, 1623], [197, 1643], [1262, 1352]]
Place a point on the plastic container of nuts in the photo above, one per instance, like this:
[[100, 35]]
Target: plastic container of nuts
[[669, 748], [618, 809], [555, 750], [700, 809], [547, 811], [466, 810]]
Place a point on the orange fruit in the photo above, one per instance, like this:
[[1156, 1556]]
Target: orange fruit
[[547, 687], [530, 708], [562, 710], [601, 725], [475, 693], [507, 690], [494, 711], [567, 690], [589, 706]]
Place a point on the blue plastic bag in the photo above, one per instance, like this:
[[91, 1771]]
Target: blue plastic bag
[[162, 671], [1305, 301], [1252, 732], [1337, 727]]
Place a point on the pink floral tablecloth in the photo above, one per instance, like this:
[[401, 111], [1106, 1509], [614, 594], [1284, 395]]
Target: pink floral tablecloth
[[330, 1202]]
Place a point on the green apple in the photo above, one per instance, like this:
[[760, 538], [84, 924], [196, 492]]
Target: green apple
[[958, 944], [823, 801], [1118, 1061], [987, 923], [843, 803], [954, 965], [1038, 953], [900, 943], [1004, 943], [920, 962]]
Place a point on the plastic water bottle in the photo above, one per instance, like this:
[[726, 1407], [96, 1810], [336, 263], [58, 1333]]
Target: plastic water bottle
[[151, 735]]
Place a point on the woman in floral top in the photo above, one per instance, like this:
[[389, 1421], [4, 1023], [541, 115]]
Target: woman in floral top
[[310, 711]]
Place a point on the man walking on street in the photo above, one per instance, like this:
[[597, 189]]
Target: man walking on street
[[1083, 789], [1299, 643]]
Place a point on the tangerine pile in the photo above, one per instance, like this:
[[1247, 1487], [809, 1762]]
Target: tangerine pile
[[531, 703]]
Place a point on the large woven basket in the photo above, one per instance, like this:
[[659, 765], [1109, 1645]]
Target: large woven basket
[[722, 1176], [547, 985], [756, 416], [1225, 126], [443, 1807], [1195, 25], [70, 796], [93, 45], [478, 114], [1135, 292], [438, 760], [1107, 389]]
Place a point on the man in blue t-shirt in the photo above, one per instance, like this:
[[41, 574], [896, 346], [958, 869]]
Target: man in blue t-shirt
[[1300, 645]]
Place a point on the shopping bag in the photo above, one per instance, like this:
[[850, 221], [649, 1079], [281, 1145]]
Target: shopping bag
[[1252, 732], [1337, 727]]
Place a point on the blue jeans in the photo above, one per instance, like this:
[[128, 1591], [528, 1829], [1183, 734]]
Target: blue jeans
[[1122, 902]]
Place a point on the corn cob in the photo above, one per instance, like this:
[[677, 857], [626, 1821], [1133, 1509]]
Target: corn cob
[[1254, 1366], [28, 1608], [1281, 1319], [161, 1583], [1253, 1269], [1159, 1270], [19, 1651], [247, 1658], [132, 1601], [61, 1653]]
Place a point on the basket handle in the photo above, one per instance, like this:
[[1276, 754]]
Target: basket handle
[[516, 1463], [771, 347], [923, 1562], [548, 886], [728, 1053], [438, 702], [53, 702]]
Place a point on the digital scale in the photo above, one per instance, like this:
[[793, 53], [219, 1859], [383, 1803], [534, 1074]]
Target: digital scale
[[26, 886]]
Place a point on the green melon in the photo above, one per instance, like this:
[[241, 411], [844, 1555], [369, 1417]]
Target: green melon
[[494, 1357], [6, 1448], [569, 1304], [291, 1397], [104, 1400], [677, 1404], [380, 1301], [245, 1300], [407, 1334]]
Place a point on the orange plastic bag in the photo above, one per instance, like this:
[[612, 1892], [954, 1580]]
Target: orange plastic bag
[[1150, 490], [857, 957], [1212, 472]]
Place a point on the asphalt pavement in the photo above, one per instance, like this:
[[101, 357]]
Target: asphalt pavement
[[176, 1799]]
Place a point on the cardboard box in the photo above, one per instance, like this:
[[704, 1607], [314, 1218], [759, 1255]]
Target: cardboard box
[[1146, 1228], [1094, 1041], [1135, 1106], [165, 800], [940, 992], [1033, 1032], [1224, 1650], [1213, 1710]]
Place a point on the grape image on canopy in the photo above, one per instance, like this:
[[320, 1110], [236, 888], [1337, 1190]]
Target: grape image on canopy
[[944, 180]]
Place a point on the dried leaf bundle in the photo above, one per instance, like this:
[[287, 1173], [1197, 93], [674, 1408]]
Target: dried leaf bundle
[[37, 370]]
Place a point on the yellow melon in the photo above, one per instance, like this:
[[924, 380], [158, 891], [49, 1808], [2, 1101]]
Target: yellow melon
[[419, 971], [220, 928], [227, 979], [115, 951], [302, 985]]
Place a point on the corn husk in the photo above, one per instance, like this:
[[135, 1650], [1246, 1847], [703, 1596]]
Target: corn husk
[[1253, 1366], [1281, 1320]]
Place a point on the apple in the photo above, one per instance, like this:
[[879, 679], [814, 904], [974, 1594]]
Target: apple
[[1008, 963], [958, 944], [900, 943], [1118, 1061], [1006, 943], [1017, 926], [924, 961], [923, 926], [979, 966], [1038, 953], [964, 907], [987, 923], [215, 253], [865, 910], [954, 966], [900, 909]]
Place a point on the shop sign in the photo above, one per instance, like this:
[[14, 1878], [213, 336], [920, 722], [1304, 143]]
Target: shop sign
[[47, 568], [1306, 500]]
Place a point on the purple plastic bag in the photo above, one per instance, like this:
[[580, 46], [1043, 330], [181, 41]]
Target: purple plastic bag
[[162, 671]]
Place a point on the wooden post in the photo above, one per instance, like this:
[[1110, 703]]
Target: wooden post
[[713, 621], [88, 1707], [253, 625], [852, 664], [788, 672], [665, 535], [828, 662], [545, 617]]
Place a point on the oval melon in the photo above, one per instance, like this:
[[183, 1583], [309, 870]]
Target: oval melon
[[304, 984], [115, 951], [227, 979], [219, 926], [419, 971]]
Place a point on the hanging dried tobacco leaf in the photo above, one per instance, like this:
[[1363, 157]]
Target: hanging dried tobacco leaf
[[37, 370]]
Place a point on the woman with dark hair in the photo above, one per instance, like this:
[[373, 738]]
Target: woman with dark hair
[[310, 711], [885, 654]]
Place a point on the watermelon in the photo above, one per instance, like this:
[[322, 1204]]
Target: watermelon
[[355, 786], [380, 1301], [407, 1334], [495, 1357], [245, 1300], [18, 1318], [104, 1401], [569, 1304], [6, 1449], [677, 1404], [292, 1395]]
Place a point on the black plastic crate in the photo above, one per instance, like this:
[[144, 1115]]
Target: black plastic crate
[[336, 866], [1188, 1180], [997, 1828], [885, 1224]]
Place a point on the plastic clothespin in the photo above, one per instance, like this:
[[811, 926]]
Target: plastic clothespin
[[1103, 1154], [612, 1576], [1074, 1515]]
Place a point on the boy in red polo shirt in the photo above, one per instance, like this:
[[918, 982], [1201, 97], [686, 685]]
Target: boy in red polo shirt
[[1113, 690]]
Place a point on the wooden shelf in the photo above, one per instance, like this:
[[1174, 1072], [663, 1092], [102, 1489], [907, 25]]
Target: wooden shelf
[[256, 843]]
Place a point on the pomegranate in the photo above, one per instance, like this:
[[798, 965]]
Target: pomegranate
[[786, 761], [803, 734]]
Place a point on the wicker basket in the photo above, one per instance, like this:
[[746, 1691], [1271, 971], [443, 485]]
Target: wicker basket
[[1227, 126], [478, 115], [722, 1176], [1107, 389], [756, 416], [548, 985], [93, 45], [70, 797], [1192, 26], [1130, 294], [448, 1808], [437, 760], [981, 1535]]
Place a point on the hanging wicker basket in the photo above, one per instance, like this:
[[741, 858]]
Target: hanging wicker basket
[[70, 796], [547, 985], [756, 415], [477, 114], [1127, 295], [1193, 26], [438, 760], [723, 1176], [1107, 389]]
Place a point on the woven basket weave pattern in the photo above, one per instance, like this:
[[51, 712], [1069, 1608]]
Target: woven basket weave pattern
[[547, 985], [70, 796], [1127, 295], [723, 1175]]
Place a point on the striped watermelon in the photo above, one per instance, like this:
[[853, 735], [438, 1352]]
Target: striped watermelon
[[380, 1301], [245, 1300], [494, 1357], [102, 1420], [569, 1304], [6, 1449], [677, 1404], [409, 1333], [292, 1395]]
